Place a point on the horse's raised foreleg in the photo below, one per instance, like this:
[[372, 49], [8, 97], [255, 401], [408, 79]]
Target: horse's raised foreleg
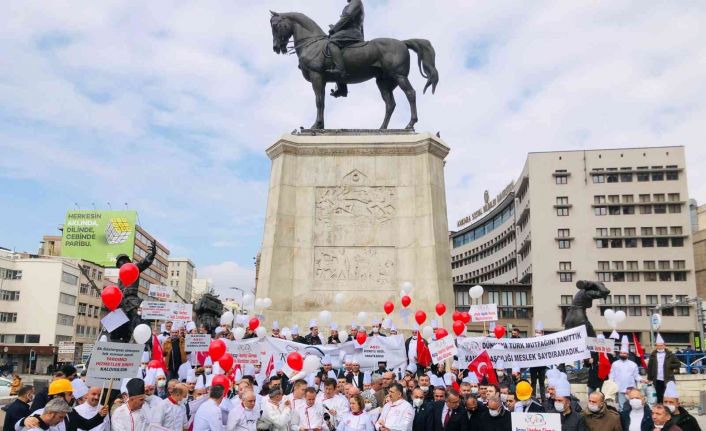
[[386, 87], [405, 85], [319, 85]]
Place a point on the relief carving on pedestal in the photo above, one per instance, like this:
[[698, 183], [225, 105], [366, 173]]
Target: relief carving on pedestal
[[374, 266]]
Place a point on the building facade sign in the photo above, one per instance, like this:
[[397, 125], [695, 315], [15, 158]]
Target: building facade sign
[[489, 204]]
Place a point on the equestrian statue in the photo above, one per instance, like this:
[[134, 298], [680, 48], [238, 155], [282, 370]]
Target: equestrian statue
[[343, 57], [588, 291]]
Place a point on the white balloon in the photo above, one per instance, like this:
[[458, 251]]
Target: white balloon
[[311, 364], [299, 375], [387, 323], [619, 316], [407, 287], [609, 314], [248, 299], [362, 316], [427, 332], [285, 332], [403, 293], [259, 303], [141, 333], [613, 324], [103, 338], [260, 332], [476, 291], [227, 318], [239, 333], [325, 317], [342, 336], [267, 303]]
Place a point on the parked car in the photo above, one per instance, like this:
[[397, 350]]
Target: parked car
[[5, 387]]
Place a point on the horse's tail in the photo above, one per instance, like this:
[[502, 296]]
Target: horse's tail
[[426, 59]]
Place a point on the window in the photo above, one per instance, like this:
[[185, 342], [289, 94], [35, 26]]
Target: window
[[597, 179], [507, 298], [566, 299], [601, 231], [82, 309], [607, 300], [682, 311], [562, 212], [65, 320], [673, 197], [657, 176], [662, 242], [616, 243], [630, 231], [632, 265], [612, 178], [646, 231], [614, 199], [561, 179], [651, 299], [626, 177], [666, 299], [662, 230], [649, 264], [10, 274], [520, 298], [660, 209], [632, 276], [564, 243], [9, 295], [663, 264], [649, 276], [628, 199], [602, 243], [619, 300], [680, 276], [672, 176], [659, 197], [614, 210], [618, 265], [677, 242], [645, 198], [599, 199], [32, 338], [604, 265], [564, 266], [67, 299], [645, 209], [493, 297], [648, 242], [600, 211], [603, 276], [665, 276], [69, 278], [616, 231], [562, 200], [565, 276], [643, 176], [8, 317], [674, 209], [563, 233], [676, 230], [628, 210]]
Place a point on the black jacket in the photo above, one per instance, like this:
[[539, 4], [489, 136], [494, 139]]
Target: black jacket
[[501, 422], [73, 421], [473, 419], [457, 419], [420, 416], [41, 399], [312, 340], [574, 422], [645, 425], [15, 411], [358, 383], [684, 420]]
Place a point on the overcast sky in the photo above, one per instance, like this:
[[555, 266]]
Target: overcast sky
[[169, 106]]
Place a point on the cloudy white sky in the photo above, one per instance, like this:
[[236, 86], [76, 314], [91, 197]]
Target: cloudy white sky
[[169, 105]]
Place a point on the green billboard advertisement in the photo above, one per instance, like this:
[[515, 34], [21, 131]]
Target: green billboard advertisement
[[98, 236]]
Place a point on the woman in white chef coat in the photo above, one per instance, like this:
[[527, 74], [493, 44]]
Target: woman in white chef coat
[[358, 419]]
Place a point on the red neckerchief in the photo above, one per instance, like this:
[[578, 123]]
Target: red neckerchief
[[358, 413], [173, 401]]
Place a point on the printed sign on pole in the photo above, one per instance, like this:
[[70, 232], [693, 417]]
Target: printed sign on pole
[[158, 291], [171, 311], [66, 351], [536, 422], [197, 342], [484, 313], [442, 349], [600, 345], [113, 361]]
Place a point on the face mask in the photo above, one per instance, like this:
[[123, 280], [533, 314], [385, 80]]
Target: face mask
[[493, 413], [500, 373], [671, 408], [474, 390], [659, 427], [161, 383], [503, 397], [368, 406], [424, 388], [207, 370], [660, 350], [417, 402], [527, 402], [594, 407], [636, 404], [375, 330], [559, 407]]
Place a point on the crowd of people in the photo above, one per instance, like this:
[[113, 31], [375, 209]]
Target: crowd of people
[[184, 395]]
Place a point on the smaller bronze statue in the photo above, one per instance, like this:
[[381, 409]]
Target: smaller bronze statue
[[208, 311], [131, 301], [588, 291]]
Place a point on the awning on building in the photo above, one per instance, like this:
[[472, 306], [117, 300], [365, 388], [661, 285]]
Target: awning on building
[[14, 349]]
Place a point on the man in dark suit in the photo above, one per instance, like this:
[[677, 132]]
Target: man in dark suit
[[474, 412], [495, 418], [422, 409], [448, 415]]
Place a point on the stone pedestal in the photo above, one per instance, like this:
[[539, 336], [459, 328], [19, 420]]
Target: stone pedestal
[[357, 213]]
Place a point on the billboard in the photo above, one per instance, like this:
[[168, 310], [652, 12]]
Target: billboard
[[98, 236]]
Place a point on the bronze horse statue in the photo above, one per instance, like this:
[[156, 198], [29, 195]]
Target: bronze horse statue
[[385, 60], [588, 291]]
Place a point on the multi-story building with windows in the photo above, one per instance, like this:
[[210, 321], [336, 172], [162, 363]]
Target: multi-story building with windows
[[199, 287], [181, 277], [699, 230], [619, 216]]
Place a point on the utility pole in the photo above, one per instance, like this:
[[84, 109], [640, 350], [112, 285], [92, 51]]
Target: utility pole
[[688, 302]]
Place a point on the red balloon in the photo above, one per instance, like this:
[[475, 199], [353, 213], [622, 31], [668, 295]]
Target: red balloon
[[253, 323], [225, 362], [459, 327], [221, 380], [465, 317], [129, 273], [420, 317], [388, 307], [406, 300], [441, 333], [111, 296], [440, 309], [216, 349], [361, 337], [295, 361], [499, 332], [456, 316]]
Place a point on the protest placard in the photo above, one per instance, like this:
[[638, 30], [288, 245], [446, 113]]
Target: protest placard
[[557, 348], [600, 345], [113, 361], [442, 349], [114, 320], [160, 292], [66, 351], [197, 342], [484, 312], [172, 311], [536, 422]]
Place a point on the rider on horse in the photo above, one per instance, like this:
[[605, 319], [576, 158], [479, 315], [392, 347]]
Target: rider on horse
[[347, 31]]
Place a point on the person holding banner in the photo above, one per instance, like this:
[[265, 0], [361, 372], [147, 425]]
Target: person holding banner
[[91, 406], [538, 374]]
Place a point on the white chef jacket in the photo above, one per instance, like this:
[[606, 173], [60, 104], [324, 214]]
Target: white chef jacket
[[397, 416], [352, 422], [311, 417], [88, 412], [209, 417], [624, 374], [240, 419], [125, 420], [169, 415], [278, 416], [338, 402], [660, 365]]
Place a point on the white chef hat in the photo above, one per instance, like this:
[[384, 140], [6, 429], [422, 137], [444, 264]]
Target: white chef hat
[[145, 357], [191, 376], [449, 379], [659, 339], [183, 370], [393, 328], [367, 379], [334, 326], [199, 384], [624, 345], [190, 326], [151, 376], [123, 386], [326, 360], [539, 326], [249, 369], [499, 364], [79, 388], [162, 328], [295, 329], [312, 323], [411, 367], [671, 390], [275, 324], [208, 362], [563, 388], [471, 378]]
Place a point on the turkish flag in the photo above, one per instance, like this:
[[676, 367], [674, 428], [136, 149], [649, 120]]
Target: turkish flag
[[270, 367], [157, 352], [423, 353], [639, 350], [603, 366], [482, 366]]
